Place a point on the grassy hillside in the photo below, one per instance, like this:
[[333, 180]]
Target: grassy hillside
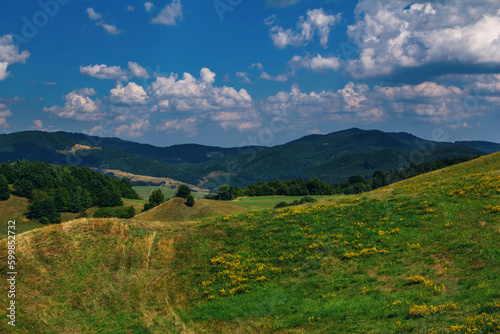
[[175, 210], [420, 256]]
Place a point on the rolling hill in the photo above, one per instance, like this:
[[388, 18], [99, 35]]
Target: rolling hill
[[333, 157], [418, 256]]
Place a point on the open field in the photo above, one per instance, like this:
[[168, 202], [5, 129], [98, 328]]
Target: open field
[[269, 202], [420, 256]]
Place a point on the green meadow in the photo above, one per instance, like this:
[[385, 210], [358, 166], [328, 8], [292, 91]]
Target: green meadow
[[419, 256]]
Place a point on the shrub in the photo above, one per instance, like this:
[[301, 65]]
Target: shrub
[[190, 201], [183, 191], [281, 205], [124, 212]]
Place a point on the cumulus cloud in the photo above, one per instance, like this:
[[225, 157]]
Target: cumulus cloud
[[132, 94], [148, 6], [243, 76], [186, 126], [9, 54], [138, 71], [281, 3], [278, 78], [115, 72], [316, 22], [4, 113], [191, 94], [134, 130], [104, 72], [242, 121], [79, 106], [170, 15], [392, 35], [317, 63], [130, 8]]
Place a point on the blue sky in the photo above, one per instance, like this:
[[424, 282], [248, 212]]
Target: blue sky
[[238, 72]]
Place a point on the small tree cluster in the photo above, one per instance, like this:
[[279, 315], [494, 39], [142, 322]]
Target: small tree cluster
[[185, 192], [156, 198]]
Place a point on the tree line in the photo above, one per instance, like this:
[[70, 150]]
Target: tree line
[[53, 189], [356, 184]]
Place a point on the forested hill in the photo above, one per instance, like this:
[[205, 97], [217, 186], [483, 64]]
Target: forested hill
[[54, 189], [331, 158]]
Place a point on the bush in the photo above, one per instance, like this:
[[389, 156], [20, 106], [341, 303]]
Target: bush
[[190, 201], [281, 205], [183, 191], [307, 199], [124, 212]]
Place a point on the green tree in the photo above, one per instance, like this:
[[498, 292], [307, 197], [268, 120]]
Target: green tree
[[226, 192], [183, 191], [4, 189], [44, 211], [190, 200], [156, 198]]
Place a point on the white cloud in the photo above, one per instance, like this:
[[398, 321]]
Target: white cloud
[[138, 71], [207, 76], [391, 36], [348, 105], [130, 8], [258, 66], [3, 70], [9, 54], [242, 121], [190, 94], [243, 76], [104, 72], [170, 15], [132, 94], [134, 130], [78, 106], [110, 29], [93, 15], [279, 78], [4, 113], [148, 6], [316, 22], [317, 63], [187, 126], [38, 125], [281, 3], [270, 20]]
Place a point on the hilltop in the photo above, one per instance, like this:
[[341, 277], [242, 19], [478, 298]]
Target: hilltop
[[418, 256], [332, 157], [175, 210]]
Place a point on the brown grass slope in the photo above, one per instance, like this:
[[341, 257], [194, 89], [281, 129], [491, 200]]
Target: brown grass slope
[[176, 210]]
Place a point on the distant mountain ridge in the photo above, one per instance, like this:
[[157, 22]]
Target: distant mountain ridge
[[331, 157]]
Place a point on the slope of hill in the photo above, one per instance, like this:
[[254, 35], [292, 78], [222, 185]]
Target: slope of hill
[[175, 210], [419, 256], [333, 157]]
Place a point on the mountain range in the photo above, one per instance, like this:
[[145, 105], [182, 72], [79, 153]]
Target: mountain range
[[332, 157]]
